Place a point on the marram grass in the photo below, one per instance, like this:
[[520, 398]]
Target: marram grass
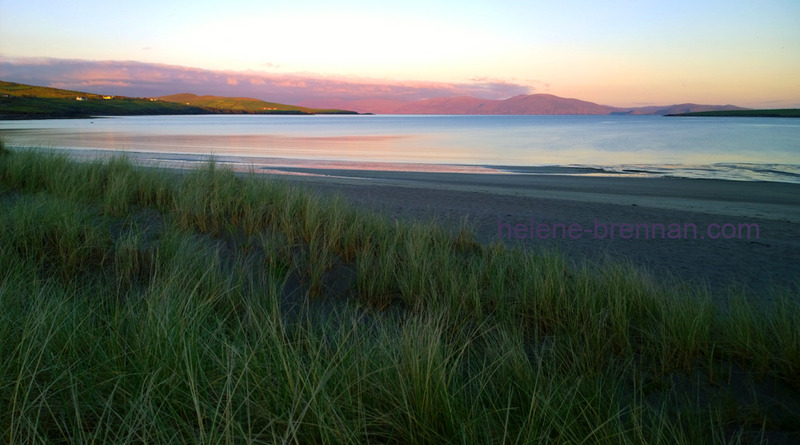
[[144, 306]]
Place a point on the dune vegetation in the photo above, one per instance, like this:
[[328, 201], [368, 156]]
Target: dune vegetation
[[142, 305]]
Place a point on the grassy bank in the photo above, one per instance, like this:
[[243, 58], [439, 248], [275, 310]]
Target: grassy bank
[[20, 101], [140, 305], [55, 108]]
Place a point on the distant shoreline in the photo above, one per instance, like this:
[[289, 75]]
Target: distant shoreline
[[27, 102], [784, 112], [23, 108]]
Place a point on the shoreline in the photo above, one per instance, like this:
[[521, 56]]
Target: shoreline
[[486, 200], [485, 196], [218, 277]]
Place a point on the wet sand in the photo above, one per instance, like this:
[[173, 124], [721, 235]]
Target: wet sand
[[490, 201]]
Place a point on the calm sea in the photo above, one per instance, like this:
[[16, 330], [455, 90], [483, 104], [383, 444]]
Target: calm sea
[[751, 149]]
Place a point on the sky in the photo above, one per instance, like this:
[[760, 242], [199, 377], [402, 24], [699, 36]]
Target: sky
[[621, 53]]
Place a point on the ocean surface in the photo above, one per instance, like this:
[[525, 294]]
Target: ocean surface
[[747, 149]]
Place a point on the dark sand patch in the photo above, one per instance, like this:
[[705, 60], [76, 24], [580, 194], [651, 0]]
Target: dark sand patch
[[483, 199]]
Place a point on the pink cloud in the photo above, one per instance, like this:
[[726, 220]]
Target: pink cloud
[[257, 81], [91, 83], [149, 79]]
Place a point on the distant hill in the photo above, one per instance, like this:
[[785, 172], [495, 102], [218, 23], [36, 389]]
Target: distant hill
[[11, 89], [543, 104], [523, 104], [245, 105], [20, 101]]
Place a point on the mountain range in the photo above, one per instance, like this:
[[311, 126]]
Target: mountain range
[[544, 104], [26, 101]]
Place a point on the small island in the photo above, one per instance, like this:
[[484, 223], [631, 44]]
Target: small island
[[784, 112]]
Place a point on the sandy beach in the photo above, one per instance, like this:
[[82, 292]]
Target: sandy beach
[[712, 248], [503, 205], [249, 277]]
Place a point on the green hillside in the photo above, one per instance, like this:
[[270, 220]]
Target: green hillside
[[29, 91], [244, 105], [20, 101]]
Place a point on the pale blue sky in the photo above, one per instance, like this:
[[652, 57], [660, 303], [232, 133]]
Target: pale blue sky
[[616, 52]]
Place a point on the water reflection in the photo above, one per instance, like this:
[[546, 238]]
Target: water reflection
[[634, 146]]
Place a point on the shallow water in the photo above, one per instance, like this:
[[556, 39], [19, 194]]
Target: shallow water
[[750, 149]]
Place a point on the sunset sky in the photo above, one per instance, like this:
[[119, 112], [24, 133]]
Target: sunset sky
[[623, 53]]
